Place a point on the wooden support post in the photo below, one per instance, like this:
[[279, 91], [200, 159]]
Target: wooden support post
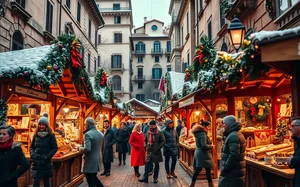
[[230, 103], [53, 113], [90, 109], [205, 106], [109, 117], [188, 120], [169, 116], [214, 136], [295, 87], [83, 109], [60, 105], [181, 112], [114, 114]]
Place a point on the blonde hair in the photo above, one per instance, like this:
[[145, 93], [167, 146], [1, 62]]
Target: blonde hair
[[135, 127], [219, 120]]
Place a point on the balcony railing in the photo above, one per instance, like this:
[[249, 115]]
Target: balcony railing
[[139, 78], [118, 90], [140, 52], [174, 18], [155, 78], [156, 51], [114, 9], [118, 68], [168, 51]]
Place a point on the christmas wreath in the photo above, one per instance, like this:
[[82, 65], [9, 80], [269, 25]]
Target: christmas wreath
[[259, 111], [3, 111]]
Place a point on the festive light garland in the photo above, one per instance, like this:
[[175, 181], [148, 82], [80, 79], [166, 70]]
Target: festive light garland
[[3, 111], [281, 129], [270, 8]]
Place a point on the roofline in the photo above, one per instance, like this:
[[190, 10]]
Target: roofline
[[150, 37], [98, 11], [144, 104], [171, 6], [278, 38]]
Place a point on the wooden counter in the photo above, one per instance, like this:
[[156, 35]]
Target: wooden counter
[[186, 161], [259, 174], [66, 171]]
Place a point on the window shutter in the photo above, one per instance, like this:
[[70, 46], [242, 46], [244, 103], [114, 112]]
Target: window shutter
[[95, 67], [153, 73], [144, 46], [121, 38], [160, 72], [112, 61], [120, 61]]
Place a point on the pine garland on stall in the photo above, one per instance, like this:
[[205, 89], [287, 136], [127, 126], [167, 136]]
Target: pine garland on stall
[[3, 111], [281, 129], [270, 8]]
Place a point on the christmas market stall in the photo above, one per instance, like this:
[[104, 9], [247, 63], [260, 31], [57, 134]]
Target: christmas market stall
[[53, 80]]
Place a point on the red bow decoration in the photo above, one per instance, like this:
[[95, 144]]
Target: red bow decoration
[[199, 57], [253, 112], [103, 81], [75, 55]]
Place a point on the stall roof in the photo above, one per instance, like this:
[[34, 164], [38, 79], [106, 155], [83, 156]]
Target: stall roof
[[153, 109]]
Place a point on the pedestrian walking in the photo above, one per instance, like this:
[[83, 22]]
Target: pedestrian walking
[[220, 133], [42, 149], [294, 161], [136, 141], [154, 141], [233, 163], [109, 140], [91, 147], [12, 159], [170, 148], [122, 141], [179, 127], [202, 155]]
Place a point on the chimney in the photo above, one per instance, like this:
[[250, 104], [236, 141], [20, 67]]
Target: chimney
[[145, 19]]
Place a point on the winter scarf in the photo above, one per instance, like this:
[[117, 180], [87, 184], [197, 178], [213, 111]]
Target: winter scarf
[[42, 134], [6, 145], [151, 138]]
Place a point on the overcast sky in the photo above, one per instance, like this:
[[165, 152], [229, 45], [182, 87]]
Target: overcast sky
[[142, 8]]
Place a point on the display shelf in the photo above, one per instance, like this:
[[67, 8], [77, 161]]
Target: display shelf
[[23, 141], [21, 128]]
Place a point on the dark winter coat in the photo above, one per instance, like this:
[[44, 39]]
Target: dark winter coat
[[233, 163], [202, 155], [122, 140], [41, 152], [170, 148], [178, 129], [153, 152], [295, 163], [13, 165], [145, 129], [109, 140], [93, 140]]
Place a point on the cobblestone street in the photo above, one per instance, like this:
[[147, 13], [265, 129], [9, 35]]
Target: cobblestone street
[[123, 176]]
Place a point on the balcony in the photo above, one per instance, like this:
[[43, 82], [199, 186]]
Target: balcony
[[156, 78], [138, 78], [139, 52], [118, 90], [20, 10], [119, 67], [156, 51], [121, 9], [167, 51]]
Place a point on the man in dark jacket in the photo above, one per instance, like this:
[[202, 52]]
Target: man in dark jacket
[[109, 140], [170, 148], [154, 141], [233, 162], [91, 147], [178, 130], [294, 161]]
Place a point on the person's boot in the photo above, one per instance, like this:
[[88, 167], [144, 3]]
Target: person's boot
[[119, 163], [145, 180], [211, 184], [173, 174], [168, 175], [192, 184], [124, 162], [103, 173], [155, 181]]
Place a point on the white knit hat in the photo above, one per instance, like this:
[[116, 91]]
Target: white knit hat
[[44, 120]]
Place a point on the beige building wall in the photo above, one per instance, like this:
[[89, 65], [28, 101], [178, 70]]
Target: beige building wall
[[145, 84], [109, 49], [33, 27]]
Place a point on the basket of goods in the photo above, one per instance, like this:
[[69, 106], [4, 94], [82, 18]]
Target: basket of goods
[[63, 146]]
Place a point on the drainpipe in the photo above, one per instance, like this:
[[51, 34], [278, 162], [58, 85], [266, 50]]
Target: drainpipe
[[60, 9]]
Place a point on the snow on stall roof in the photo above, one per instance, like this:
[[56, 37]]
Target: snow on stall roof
[[177, 82], [155, 109], [271, 34], [30, 58], [101, 93], [120, 106], [153, 101]]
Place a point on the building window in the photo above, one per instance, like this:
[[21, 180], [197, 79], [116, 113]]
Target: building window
[[168, 58], [140, 85], [140, 73], [224, 47], [82, 54], [49, 17], [182, 36], [116, 61], [89, 62], [184, 66], [140, 59], [222, 19], [90, 30], [201, 4], [157, 47], [117, 37], [78, 11], [116, 82], [156, 96], [140, 97], [154, 27], [95, 67], [156, 58], [116, 7], [99, 58], [188, 58], [156, 73], [17, 41], [284, 5], [209, 31], [168, 46], [22, 3], [169, 68], [99, 39], [68, 3], [187, 23], [140, 47], [117, 19]]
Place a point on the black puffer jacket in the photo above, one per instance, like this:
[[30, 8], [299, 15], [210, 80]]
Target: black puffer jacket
[[170, 148], [233, 161], [13, 165], [122, 140], [41, 152]]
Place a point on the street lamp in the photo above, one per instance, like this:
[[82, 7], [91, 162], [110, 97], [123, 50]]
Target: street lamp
[[169, 102], [237, 33], [66, 108], [197, 111]]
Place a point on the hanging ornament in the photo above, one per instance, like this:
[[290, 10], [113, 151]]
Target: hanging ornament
[[55, 68], [60, 46], [49, 68], [206, 60], [82, 78], [25, 73]]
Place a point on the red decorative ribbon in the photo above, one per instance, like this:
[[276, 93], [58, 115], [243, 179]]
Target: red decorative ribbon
[[253, 112], [199, 57], [76, 57], [103, 81]]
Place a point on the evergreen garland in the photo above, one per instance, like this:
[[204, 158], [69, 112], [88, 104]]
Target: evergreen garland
[[281, 129], [270, 8], [189, 71], [3, 111], [225, 6]]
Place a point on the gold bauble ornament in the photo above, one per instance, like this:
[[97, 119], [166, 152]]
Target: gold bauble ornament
[[206, 60], [256, 47], [49, 68]]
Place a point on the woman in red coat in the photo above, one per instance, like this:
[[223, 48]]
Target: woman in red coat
[[137, 151]]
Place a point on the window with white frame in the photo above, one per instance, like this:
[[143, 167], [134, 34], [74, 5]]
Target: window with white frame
[[49, 16]]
